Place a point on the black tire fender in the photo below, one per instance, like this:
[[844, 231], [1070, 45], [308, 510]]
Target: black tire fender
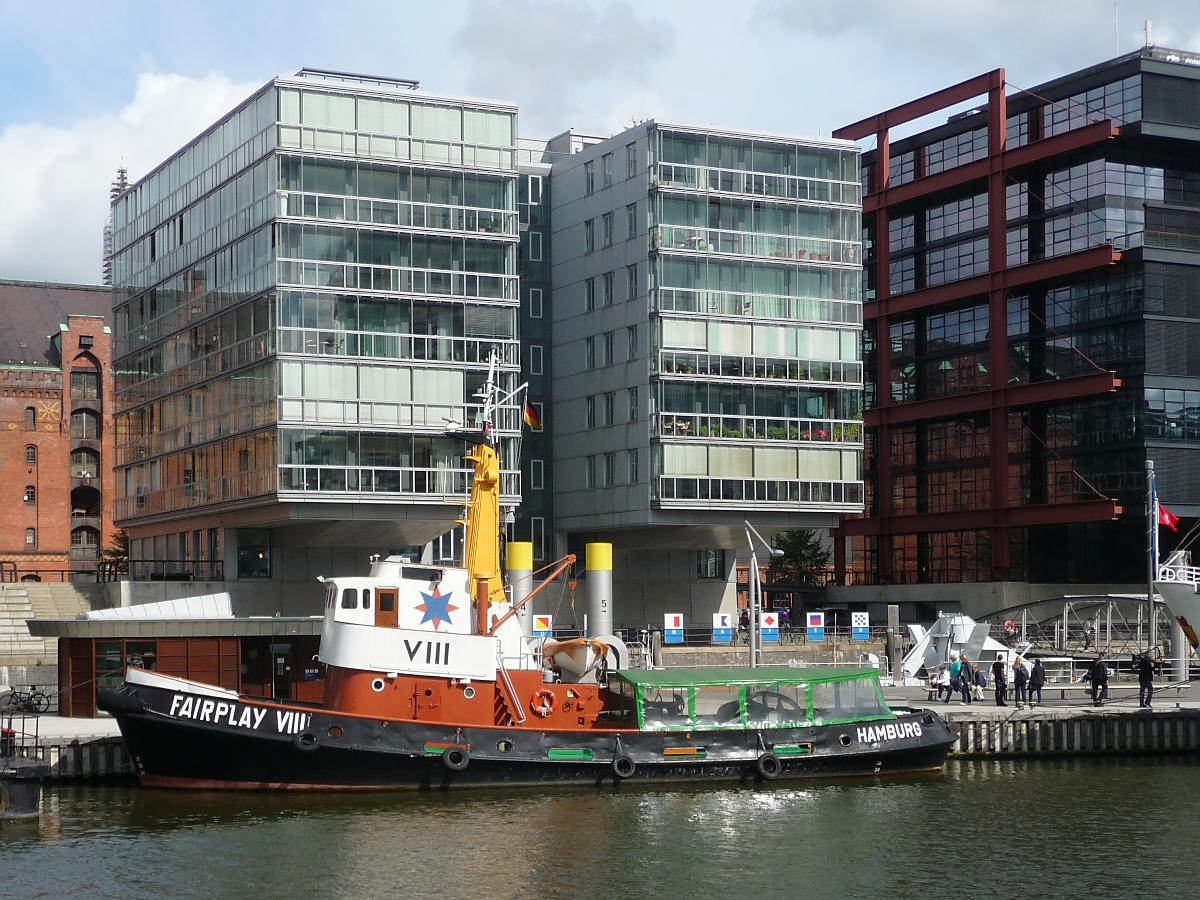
[[307, 740], [768, 766], [623, 766], [456, 757]]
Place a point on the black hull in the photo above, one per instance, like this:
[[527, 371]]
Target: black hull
[[320, 750]]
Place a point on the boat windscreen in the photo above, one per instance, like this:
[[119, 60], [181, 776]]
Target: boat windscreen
[[844, 701], [773, 705]]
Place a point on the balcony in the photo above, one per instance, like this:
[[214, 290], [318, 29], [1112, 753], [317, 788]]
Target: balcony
[[760, 246], [758, 428]]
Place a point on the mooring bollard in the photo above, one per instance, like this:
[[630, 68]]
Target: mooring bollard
[[21, 786]]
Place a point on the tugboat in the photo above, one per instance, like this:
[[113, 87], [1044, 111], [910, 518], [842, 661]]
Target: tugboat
[[432, 683]]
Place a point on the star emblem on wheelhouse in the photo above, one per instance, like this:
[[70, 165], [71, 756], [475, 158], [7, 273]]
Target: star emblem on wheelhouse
[[436, 608]]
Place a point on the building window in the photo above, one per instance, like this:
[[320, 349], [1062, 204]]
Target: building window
[[85, 463], [589, 177], [535, 359], [608, 288], [608, 229], [610, 354], [535, 189], [537, 475], [85, 385], [610, 469], [535, 303], [86, 342], [447, 548], [85, 425], [30, 537], [589, 235], [31, 455], [632, 341], [631, 282], [243, 460], [538, 534], [710, 564], [634, 412], [630, 160], [631, 222], [541, 422], [254, 553], [30, 493], [610, 408], [30, 419], [589, 354], [591, 412], [633, 467], [535, 246], [606, 165], [85, 544], [589, 294], [589, 473]]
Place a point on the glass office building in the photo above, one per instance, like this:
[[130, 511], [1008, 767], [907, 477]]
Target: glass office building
[[707, 331], [304, 296], [1031, 329]]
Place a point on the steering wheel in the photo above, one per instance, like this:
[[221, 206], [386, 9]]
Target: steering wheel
[[782, 701]]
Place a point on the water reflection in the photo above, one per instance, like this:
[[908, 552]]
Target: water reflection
[[985, 828]]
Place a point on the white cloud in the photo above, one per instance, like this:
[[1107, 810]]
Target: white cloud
[[54, 197]]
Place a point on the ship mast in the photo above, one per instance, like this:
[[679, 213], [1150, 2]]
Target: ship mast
[[481, 549]]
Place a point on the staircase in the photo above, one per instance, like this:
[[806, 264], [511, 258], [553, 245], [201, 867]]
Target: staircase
[[39, 600]]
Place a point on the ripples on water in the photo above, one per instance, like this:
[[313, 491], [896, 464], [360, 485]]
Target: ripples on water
[[1062, 828]]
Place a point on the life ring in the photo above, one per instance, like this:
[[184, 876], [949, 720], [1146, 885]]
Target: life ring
[[768, 766], [1010, 627], [543, 702], [456, 757], [623, 765]]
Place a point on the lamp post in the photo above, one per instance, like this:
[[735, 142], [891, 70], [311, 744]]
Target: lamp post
[[756, 591]]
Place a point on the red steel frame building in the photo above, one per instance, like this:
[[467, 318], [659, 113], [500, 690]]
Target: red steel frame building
[[995, 169]]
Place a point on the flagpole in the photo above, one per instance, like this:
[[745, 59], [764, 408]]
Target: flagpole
[[1152, 516]]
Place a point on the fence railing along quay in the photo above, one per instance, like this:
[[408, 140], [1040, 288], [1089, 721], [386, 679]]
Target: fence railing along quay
[[71, 757]]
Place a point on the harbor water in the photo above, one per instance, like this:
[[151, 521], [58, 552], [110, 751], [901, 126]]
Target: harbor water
[[1117, 826]]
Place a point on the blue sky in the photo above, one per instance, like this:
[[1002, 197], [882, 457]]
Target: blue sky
[[89, 85]]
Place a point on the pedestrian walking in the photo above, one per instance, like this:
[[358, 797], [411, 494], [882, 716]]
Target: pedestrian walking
[[1098, 675], [1020, 683], [966, 677], [1145, 671], [1037, 678], [1089, 633], [999, 677], [955, 671]]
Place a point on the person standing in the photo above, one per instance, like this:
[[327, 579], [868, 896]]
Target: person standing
[[999, 677], [1098, 674], [955, 671], [1037, 678], [966, 676], [1020, 683], [1145, 671]]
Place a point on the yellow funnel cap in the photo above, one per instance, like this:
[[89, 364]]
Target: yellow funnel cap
[[520, 556]]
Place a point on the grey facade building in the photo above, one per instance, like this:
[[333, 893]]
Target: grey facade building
[[303, 296], [707, 317]]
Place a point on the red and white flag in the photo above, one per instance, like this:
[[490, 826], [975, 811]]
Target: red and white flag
[[1168, 518]]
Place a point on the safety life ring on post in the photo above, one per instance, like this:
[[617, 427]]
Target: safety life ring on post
[[543, 702]]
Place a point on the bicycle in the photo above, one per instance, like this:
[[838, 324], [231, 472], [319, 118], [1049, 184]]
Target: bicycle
[[31, 701]]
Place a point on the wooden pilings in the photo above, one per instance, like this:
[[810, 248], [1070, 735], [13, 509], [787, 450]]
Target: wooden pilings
[[1038, 733], [74, 760]]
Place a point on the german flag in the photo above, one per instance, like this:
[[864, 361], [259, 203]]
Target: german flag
[[532, 419]]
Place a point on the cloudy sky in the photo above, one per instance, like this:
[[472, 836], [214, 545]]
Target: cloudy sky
[[90, 84]]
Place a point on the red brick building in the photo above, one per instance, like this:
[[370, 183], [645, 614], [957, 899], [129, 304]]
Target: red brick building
[[56, 433]]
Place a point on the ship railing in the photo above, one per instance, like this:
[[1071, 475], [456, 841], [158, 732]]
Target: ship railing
[[1181, 574]]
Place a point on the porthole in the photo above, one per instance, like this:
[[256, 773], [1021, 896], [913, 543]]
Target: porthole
[[504, 746], [469, 693], [378, 685], [844, 740], [428, 692], [335, 731]]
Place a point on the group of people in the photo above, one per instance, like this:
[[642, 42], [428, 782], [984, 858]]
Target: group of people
[[961, 676]]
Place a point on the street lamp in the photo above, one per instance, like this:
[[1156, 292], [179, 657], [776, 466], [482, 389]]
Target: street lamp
[[756, 591]]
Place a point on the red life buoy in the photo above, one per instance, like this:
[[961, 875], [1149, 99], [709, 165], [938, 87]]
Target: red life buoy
[[543, 702]]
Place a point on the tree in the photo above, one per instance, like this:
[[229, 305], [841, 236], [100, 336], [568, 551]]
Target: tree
[[803, 554], [117, 553]]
